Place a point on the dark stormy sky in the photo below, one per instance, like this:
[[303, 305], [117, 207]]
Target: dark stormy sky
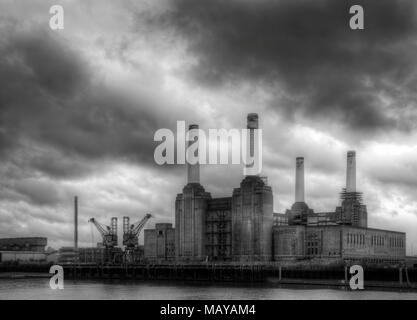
[[79, 106]]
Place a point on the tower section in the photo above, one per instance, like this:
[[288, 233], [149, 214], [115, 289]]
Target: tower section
[[252, 220], [252, 212], [299, 211], [190, 214], [352, 211]]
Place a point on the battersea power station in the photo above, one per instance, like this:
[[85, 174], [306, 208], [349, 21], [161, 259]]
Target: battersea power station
[[244, 228]]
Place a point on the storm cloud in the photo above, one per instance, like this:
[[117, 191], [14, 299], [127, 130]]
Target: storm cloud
[[54, 110], [304, 54]]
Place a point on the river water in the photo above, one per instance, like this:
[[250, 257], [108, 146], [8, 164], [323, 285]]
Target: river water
[[39, 289]]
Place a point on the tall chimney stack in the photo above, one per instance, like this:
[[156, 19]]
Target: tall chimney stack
[[75, 223], [351, 172], [193, 170], [299, 179], [252, 124]]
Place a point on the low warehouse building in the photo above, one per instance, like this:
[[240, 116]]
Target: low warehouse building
[[23, 250], [37, 244], [160, 243], [22, 256], [366, 245]]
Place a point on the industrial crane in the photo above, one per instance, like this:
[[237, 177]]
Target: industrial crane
[[131, 232], [108, 233]]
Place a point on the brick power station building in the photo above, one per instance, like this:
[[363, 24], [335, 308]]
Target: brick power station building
[[244, 227]]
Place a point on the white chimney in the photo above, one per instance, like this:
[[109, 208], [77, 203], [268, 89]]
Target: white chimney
[[251, 153], [351, 172], [299, 179], [193, 170]]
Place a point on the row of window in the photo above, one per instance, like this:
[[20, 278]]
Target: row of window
[[358, 239], [392, 242], [396, 243], [377, 241]]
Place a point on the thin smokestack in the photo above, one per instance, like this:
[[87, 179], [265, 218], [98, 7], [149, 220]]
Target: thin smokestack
[[75, 223], [193, 170], [351, 172], [252, 124], [299, 179]]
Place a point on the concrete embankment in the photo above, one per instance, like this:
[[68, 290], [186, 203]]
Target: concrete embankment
[[333, 276]]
